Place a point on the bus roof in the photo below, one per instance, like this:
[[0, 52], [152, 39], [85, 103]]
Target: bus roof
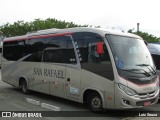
[[99, 31]]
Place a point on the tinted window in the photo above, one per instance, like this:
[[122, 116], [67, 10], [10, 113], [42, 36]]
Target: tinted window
[[55, 56], [38, 45], [156, 59], [60, 41], [64, 53], [14, 50], [32, 49], [35, 48], [86, 47], [94, 57]]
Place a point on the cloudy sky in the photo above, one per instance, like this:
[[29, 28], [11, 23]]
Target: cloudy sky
[[119, 14]]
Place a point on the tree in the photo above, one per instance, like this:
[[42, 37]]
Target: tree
[[145, 36], [21, 27]]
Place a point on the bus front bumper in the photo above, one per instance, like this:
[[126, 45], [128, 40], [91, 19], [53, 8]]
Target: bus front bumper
[[124, 101]]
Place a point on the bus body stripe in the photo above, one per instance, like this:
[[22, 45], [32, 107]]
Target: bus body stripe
[[38, 36]]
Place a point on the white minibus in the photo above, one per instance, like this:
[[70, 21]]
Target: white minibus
[[101, 68]]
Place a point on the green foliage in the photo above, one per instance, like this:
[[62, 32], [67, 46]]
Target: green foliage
[[21, 27], [145, 36]]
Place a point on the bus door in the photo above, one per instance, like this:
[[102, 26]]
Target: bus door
[[99, 71], [72, 84]]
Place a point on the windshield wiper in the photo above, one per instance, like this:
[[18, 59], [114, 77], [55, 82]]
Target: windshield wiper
[[143, 65], [131, 70]]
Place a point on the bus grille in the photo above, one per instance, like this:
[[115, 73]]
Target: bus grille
[[145, 95], [141, 103]]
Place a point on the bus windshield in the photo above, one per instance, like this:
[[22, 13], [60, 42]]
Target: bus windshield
[[129, 52]]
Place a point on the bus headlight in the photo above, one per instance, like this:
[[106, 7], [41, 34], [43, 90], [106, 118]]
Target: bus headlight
[[127, 90]]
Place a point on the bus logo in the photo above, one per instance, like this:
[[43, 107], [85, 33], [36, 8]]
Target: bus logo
[[6, 114]]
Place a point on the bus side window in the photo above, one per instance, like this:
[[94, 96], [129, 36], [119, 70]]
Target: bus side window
[[63, 54], [94, 57], [14, 50], [86, 43], [156, 59], [35, 48], [54, 56]]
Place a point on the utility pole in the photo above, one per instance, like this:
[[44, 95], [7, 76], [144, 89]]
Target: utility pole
[[138, 27]]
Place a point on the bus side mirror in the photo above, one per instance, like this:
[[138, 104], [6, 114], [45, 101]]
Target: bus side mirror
[[100, 49]]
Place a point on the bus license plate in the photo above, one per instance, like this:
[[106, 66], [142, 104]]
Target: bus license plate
[[148, 103]]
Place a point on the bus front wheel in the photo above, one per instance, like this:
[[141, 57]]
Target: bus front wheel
[[95, 102]]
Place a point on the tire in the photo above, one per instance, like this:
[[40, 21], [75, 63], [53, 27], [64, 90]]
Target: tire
[[95, 102], [24, 87]]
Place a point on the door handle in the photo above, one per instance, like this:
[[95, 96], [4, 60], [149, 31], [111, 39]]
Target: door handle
[[68, 79], [43, 80]]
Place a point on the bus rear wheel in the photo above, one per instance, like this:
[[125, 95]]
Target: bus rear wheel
[[95, 102], [24, 87]]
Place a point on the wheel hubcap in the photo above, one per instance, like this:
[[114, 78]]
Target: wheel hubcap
[[96, 103]]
